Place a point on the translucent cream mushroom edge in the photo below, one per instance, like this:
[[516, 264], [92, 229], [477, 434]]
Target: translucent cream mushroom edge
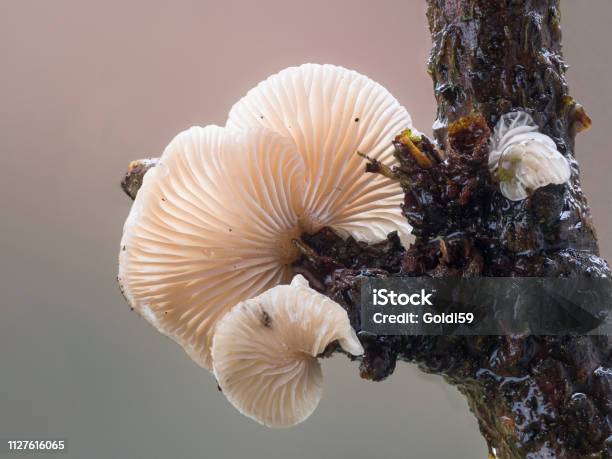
[[265, 352], [523, 159], [213, 223]]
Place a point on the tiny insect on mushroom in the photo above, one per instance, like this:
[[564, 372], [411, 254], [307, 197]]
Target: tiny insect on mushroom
[[265, 352], [331, 113], [214, 223], [523, 159]]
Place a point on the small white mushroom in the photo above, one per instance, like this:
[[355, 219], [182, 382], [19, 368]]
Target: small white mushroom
[[210, 227], [265, 352], [331, 113], [523, 159]]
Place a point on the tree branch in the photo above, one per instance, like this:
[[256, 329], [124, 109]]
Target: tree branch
[[533, 396]]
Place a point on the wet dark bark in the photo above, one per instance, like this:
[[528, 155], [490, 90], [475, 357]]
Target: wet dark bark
[[533, 396]]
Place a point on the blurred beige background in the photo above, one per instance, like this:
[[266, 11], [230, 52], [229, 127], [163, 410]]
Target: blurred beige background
[[86, 87]]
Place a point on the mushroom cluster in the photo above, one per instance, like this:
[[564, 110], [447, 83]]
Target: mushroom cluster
[[214, 223], [522, 158]]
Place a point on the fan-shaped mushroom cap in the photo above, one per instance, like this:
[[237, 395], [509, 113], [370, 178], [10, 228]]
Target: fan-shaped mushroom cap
[[331, 113], [524, 159], [265, 352], [211, 226]]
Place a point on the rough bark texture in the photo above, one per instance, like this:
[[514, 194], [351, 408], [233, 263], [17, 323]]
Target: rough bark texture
[[533, 396], [137, 169]]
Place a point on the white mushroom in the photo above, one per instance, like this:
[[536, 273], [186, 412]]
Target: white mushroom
[[210, 227], [524, 159], [265, 352], [331, 113], [213, 224]]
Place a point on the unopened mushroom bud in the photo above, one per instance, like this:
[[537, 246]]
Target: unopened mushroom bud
[[212, 227], [523, 159], [332, 113], [265, 352]]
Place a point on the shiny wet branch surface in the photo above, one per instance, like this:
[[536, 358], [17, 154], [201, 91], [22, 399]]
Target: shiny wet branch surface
[[533, 396]]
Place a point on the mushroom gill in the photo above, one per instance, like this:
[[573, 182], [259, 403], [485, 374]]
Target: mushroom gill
[[331, 113], [210, 227], [265, 352]]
